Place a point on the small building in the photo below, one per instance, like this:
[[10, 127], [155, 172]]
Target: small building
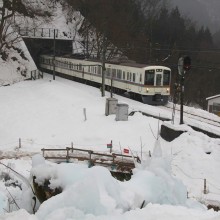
[[214, 104]]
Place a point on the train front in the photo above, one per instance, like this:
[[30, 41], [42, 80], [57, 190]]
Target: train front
[[156, 85]]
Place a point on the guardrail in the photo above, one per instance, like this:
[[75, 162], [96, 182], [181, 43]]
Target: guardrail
[[46, 33], [119, 162]]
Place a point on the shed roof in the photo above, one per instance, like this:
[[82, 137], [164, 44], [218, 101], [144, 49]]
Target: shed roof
[[213, 97]]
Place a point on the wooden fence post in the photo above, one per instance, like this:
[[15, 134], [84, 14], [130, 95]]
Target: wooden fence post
[[19, 142], [84, 111], [111, 147], [90, 159], [205, 189], [67, 155], [72, 146], [113, 158]]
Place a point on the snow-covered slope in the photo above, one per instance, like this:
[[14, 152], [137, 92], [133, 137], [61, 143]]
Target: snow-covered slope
[[49, 114]]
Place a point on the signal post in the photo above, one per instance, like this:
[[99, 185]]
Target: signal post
[[184, 65]]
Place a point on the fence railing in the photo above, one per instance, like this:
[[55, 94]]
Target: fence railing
[[116, 161], [47, 33]]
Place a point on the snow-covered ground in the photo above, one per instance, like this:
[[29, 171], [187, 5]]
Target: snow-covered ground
[[50, 114]]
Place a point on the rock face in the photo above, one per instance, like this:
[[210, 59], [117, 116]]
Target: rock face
[[170, 134], [44, 192]]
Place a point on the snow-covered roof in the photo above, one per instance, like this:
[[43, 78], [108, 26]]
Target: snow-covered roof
[[213, 97]]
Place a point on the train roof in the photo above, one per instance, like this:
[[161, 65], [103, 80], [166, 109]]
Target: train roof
[[117, 61], [138, 65]]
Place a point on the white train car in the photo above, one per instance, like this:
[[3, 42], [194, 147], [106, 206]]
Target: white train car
[[150, 84]]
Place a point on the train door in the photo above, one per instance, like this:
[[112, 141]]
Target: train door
[[158, 81], [128, 80]]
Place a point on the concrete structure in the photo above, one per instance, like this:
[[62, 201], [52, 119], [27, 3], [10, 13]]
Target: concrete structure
[[214, 104], [122, 112], [111, 106]]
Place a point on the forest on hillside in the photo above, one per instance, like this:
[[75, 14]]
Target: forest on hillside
[[149, 32]]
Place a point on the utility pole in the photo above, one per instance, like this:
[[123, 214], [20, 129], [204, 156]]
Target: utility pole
[[184, 65], [111, 85], [103, 65], [54, 52], [181, 97]]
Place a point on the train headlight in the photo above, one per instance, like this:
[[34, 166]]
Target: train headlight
[[168, 90], [147, 90]]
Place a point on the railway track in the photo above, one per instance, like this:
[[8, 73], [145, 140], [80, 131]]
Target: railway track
[[196, 117]]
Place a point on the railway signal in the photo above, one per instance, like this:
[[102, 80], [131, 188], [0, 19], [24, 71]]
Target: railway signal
[[186, 63]]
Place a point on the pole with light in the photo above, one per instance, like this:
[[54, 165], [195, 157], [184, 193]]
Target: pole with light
[[55, 32], [184, 65]]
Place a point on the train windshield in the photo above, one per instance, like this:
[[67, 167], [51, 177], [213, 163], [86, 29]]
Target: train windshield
[[149, 77], [166, 77]]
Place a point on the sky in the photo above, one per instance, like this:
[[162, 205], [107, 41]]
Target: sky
[[49, 114], [202, 12]]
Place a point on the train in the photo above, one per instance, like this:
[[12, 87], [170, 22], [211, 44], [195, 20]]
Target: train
[[149, 84]]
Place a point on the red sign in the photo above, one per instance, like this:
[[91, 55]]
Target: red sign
[[126, 151], [109, 145]]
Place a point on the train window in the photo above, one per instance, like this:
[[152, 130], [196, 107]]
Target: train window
[[119, 74], [123, 74], [108, 72], [166, 77], [140, 77], [149, 77], [128, 75], [133, 77], [99, 70], [113, 73], [80, 67]]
